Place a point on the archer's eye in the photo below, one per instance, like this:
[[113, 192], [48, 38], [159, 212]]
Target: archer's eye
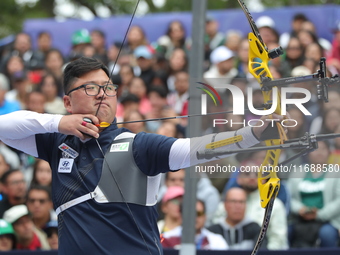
[[110, 87], [91, 87]]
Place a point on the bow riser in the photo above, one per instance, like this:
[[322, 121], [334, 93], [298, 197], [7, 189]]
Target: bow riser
[[268, 181]]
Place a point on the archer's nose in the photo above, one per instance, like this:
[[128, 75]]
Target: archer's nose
[[101, 92]]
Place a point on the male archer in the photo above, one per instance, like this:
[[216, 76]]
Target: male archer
[[105, 180]]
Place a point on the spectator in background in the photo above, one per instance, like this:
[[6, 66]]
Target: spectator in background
[[178, 62], [134, 115], [144, 57], [13, 188], [23, 48], [4, 166], [14, 64], [233, 40], [179, 98], [126, 74], [27, 236], [205, 191], [296, 26], [314, 51], [334, 157], [324, 43], [242, 58], [331, 120], [174, 38], [21, 87], [333, 58], [136, 37], [167, 128], [138, 88], [171, 209], [294, 132], [239, 232], [128, 103], [8, 238], [278, 63], [44, 42], [317, 123], [89, 51], [204, 239], [311, 64], [315, 203], [50, 88], [80, 39], [312, 105], [222, 60], [39, 204], [115, 62], [98, 41], [5, 105], [266, 26], [212, 38], [36, 101], [306, 37], [112, 55], [54, 62], [51, 230], [157, 97], [42, 173], [294, 53], [277, 230]]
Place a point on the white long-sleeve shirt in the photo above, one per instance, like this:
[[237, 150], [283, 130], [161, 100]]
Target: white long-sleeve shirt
[[18, 130]]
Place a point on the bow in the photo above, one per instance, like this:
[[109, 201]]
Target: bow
[[268, 182]]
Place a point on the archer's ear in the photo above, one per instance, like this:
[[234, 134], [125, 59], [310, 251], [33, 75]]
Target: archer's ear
[[67, 104]]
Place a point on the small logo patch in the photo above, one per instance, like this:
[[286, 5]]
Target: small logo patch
[[68, 150], [119, 147], [65, 165]]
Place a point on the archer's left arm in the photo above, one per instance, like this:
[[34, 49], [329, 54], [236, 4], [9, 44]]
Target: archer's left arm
[[183, 151]]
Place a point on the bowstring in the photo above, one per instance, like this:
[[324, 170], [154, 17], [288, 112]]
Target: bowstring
[[120, 50], [100, 148]]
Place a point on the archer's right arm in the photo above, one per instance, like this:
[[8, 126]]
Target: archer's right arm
[[18, 129]]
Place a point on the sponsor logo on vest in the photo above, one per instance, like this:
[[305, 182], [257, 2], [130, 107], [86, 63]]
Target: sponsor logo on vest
[[119, 147], [68, 151]]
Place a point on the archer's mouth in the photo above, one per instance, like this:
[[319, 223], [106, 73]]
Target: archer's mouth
[[102, 104]]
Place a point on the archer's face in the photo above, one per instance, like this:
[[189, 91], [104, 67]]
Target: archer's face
[[78, 102]]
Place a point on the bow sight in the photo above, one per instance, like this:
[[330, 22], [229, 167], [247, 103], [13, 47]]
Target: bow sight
[[320, 76]]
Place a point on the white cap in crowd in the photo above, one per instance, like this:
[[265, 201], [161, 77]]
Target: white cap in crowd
[[15, 213], [220, 54], [265, 21]]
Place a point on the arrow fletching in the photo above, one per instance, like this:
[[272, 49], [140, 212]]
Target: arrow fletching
[[103, 124]]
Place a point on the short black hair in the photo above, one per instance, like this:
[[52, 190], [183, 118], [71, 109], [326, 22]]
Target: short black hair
[[129, 98], [5, 176], [300, 16], [47, 189], [159, 90], [41, 33], [98, 31], [79, 67]]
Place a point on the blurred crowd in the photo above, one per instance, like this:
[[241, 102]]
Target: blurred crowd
[[153, 82]]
